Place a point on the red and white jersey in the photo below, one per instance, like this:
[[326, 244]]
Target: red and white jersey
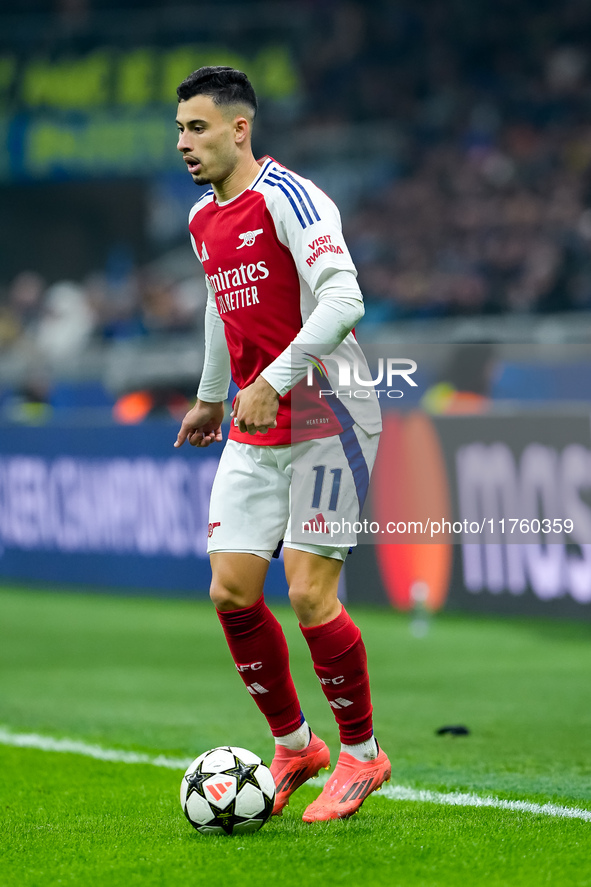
[[263, 254]]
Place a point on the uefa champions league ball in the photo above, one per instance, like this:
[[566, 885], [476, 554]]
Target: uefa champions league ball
[[227, 791]]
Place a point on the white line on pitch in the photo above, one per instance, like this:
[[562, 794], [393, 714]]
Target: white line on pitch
[[75, 747], [461, 799], [392, 792]]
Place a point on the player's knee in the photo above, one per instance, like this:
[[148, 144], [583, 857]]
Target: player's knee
[[304, 598], [224, 598], [314, 603]]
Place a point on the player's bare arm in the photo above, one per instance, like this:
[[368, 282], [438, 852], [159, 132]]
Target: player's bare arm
[[255, 407], [202, 425]]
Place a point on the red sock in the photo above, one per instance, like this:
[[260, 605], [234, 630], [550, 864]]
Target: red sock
[[340, 662], [259, 650]]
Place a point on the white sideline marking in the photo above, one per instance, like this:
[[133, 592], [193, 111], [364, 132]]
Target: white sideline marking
[[75, 747], [392, 792], [460, 799]]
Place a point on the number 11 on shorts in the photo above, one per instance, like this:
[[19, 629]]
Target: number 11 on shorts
[[319, 483]]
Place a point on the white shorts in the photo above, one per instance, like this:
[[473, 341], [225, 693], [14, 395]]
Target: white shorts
[[308, 494]]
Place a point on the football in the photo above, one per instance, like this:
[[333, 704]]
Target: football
[[227, 791]]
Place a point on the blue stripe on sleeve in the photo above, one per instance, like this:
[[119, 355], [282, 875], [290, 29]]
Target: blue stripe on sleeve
[[297, 194], [291, 200], [305, 193]]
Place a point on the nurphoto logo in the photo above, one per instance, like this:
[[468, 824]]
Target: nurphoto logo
[[351, 373]]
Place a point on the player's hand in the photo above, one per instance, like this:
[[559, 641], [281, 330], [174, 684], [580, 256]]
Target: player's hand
[[255, 407], [202, 425]]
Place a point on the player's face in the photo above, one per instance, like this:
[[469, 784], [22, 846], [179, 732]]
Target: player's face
[[207, 139]]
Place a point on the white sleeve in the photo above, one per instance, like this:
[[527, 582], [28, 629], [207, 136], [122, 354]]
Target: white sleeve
[[309, 224], [215, 380], [340, 307]]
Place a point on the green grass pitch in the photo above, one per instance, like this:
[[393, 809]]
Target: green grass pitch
[[155, 676]]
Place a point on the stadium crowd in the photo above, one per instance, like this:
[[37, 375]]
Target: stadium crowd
[[488, 209], [60, 320], [480, 228]]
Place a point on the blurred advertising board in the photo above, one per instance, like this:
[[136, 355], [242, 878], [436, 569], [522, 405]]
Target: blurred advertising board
[[113, 506], [109, 111], [487, 513]]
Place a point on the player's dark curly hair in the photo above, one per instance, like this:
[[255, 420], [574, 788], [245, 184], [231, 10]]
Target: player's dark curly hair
[[226, 86]]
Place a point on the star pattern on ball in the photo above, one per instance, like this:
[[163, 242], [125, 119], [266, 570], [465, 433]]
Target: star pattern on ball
[[243, 773], [195, 782]]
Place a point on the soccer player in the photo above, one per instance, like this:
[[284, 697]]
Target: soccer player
[[282, 298]]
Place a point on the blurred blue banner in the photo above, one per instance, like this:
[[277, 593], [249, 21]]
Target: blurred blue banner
[[107, 506], [79, 145]]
